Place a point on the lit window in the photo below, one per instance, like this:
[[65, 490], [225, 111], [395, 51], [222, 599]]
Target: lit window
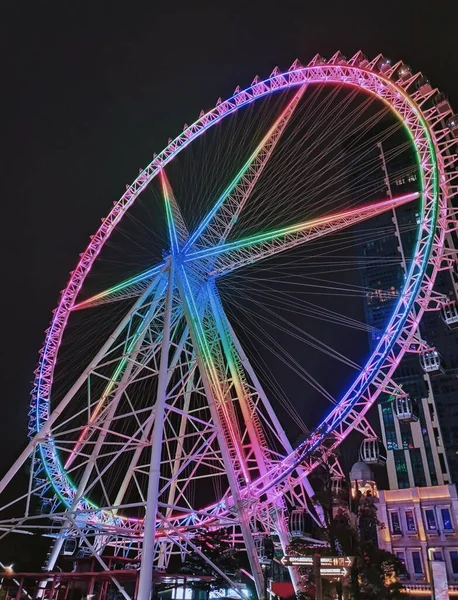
[[417, 564], [410, 522], [400, 554], [395, 523], [446, 519], [454, 561], [430, 517]]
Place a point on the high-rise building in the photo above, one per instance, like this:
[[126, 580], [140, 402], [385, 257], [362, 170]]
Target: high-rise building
[[422, 448]]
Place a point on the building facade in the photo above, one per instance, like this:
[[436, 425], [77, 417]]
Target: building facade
[[422, 452], [421, 527], [415, 450]]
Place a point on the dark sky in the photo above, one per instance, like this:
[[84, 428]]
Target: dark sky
[[90, 90]]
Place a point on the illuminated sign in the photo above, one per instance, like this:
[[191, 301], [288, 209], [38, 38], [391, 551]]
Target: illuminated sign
[[326, 561]]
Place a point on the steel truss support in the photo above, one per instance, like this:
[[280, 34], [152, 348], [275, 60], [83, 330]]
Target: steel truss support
[[215, 395], [45, 429], [113, 405], [149, 531]]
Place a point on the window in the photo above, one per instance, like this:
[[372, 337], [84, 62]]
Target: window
[[437, 555], [395, 522], [410, 522], [401, 556], [454, 561], [436, 435], [406, 436], [417, 563], [430, 518], [442, 462], [391, 441], [417, 468], [401, 469], [446, 519]]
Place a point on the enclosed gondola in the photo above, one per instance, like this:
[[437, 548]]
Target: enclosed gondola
[[265, 548], [442, 104], [449, 313], [69, 547], [423, 85], [300, 523], [430, 361], [373, 452], [404, 73], [452, 124], [406, 409], [337, 485]]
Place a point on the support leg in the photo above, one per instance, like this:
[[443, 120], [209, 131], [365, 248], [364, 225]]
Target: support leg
[[146, 569]]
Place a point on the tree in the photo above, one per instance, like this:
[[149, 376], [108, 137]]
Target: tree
[[378, 574]]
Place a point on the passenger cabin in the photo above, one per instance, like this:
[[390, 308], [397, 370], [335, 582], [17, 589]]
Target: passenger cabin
[[362, 61], [384, 64], [450, 314], [337, 485], [423, 85], [69, 547], [452, 124], [320, 60], [442, 104], [338, 59], [372, 452], [430, 361], [404, 73], [405, 409], [300, 523], [265, 548]]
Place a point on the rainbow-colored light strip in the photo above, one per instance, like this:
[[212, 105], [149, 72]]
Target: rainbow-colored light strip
[[119, 287], [196, 234], [354, 77], [278, 234]]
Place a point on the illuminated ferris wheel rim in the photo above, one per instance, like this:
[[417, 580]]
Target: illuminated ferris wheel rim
[[366, 79]]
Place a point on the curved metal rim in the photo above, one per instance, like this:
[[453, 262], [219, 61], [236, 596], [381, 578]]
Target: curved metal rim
[[433, 200]]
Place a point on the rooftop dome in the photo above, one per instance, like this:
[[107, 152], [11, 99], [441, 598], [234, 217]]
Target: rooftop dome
[[361, 471]]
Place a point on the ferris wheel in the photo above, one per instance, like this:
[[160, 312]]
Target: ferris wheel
[[217, 313]]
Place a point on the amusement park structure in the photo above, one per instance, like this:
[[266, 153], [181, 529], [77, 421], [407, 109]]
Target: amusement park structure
[[170, 398]]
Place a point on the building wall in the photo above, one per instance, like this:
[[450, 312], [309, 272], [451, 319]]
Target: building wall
[[418, 519], [432, 458], [415, 451]]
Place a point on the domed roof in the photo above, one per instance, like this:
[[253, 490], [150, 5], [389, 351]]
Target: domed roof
[[361, 471]]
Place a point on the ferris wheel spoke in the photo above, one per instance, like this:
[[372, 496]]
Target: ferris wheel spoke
[[219, 221], [249, 250], [178, 232], [130, 288]]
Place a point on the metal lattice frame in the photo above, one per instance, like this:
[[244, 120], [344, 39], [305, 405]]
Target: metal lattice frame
[[208, 356]]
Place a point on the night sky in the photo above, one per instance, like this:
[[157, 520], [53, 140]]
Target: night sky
[[91, 91]]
